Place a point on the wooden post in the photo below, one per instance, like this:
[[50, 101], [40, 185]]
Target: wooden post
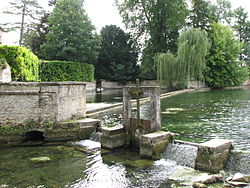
[[138, 102]]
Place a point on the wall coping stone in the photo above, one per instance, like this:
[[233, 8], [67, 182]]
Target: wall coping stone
[[43, 83], [156, 137], [216, 145], [30, 92], [113, 130]]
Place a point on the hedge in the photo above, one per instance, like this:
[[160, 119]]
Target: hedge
[[23, 63], [54, 71]]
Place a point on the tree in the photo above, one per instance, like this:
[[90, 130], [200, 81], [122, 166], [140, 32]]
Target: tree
[[222, 12], [29, 12], [155, 25], [193, 46], [201, 15], [36, 37], [222, 62], [242, 27], [118, 56], [71, 36], [189, 64]]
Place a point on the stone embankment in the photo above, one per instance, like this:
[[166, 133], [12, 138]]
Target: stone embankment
[[95, 111]]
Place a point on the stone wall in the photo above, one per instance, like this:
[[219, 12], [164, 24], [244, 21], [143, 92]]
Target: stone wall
[[5, 74], [41, 102], [247, 82], [195, 84], [111, 85], [90, 86]]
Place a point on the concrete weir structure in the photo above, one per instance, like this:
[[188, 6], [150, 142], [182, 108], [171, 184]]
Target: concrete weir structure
[[213, 155], [146, 135]]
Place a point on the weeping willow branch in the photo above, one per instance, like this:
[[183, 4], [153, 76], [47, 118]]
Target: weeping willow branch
[[189, 64]]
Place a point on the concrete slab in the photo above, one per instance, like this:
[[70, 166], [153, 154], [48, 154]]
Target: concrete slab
[[88, 122]]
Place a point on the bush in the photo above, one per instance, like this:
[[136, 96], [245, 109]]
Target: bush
[[54, 71], [23, 63], [3, 64]]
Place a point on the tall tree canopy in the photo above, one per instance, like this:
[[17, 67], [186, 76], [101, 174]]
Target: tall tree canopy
[[242, 27], [28, 11], [201, 14], [155, 24], [71, 35], [222, 62], [118, 56], [190, 62]]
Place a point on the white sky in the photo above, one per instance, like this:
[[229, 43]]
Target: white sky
[[101, 13]]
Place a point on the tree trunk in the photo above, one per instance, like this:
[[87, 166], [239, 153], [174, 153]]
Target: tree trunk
[[22, 26]]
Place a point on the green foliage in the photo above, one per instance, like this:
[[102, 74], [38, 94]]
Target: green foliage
[[166, 69], [70, 36], [23, 63], [3, 63], [242, 27], [155, 25], [65, 71], [222, 11], [201, 14], [193, 46], [118, 56], [36, 37], [28, 11], [223, 66], [190, 61]]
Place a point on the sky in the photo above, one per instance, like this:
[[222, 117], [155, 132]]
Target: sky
[[100, 12]]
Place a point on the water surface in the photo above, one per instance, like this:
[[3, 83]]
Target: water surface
[[210, 114]]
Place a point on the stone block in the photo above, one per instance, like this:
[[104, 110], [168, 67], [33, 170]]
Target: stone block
[[112, 130], [213, 155], [153, 144], [88, 122], [86, 131], [113, 137]]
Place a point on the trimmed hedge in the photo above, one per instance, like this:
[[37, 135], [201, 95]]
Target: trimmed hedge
[[23, 63], [55, 71]]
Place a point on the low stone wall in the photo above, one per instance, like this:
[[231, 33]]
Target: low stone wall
[[111, 85], [247, 82], [42, 102], [116, 85], [196, 84], [90, 86]]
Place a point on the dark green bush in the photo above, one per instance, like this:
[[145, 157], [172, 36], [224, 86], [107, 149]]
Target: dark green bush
[[23, 63], [54, 71], [3, 63]]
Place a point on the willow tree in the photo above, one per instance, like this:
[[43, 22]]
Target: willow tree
[[166, 68], [190, 62]]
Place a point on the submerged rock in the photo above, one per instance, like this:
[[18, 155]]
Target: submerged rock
[[40, 159], [199, 185], [237, 184], [207, 179], [241, 178], [173, 110]]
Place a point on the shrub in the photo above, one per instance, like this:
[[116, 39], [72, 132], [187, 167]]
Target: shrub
[[3, 63], [54, 71], [23, 63]]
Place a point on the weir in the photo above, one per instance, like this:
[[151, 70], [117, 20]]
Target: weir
[[146, 135]]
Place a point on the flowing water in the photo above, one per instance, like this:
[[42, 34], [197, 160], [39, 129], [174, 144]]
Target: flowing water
[[84, 164], [182, 154]]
